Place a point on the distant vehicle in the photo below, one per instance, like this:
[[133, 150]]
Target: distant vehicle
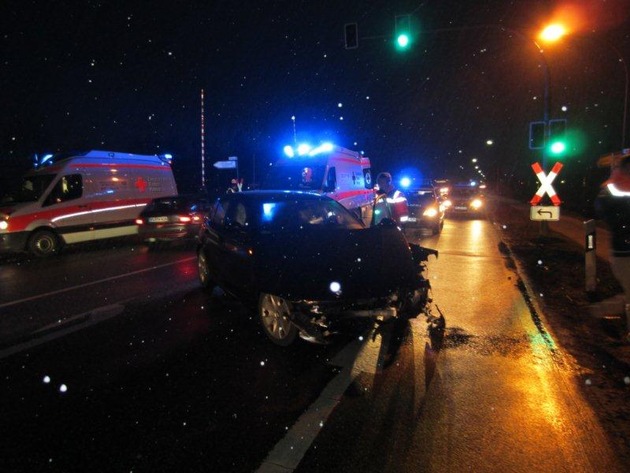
[[304, 263], [78, 197], [465, 200], [425, 210], [337, 172], [172, 218]]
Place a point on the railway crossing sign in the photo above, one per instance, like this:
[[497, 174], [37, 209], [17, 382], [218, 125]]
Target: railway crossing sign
[[545, 184]]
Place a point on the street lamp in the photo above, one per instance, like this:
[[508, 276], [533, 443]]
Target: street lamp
[[555, 32]]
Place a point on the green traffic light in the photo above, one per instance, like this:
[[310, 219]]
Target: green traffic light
[[558, 147], [402, 40]]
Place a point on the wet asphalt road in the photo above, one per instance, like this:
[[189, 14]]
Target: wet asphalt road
[[166, 378]]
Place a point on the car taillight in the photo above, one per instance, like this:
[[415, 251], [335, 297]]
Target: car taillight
[[184, 218], [139, 221]]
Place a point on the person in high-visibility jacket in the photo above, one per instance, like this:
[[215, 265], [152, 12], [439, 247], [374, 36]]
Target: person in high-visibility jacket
[[613, 206], [389, 202]]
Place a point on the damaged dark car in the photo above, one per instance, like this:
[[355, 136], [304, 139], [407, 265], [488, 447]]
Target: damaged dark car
[[304, 263]]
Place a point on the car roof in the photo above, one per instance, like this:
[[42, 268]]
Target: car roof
[[278, 194]]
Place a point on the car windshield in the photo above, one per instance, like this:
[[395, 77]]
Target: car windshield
[[420, 198], [464, 192], [279, 215], [169, 204]]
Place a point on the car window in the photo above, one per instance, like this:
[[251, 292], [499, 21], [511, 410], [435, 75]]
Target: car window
[[217, 214], [170, 204], [281, 215], [67, 188], [236, 214]]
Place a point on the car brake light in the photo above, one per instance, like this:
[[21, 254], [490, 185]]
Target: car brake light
[[139, 221], [184, 218]]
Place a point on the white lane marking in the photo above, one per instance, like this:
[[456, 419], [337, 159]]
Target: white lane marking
[[100, 281], [357, 357], [53, 331]]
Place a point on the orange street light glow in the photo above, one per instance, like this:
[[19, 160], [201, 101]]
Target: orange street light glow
[[553, 33]]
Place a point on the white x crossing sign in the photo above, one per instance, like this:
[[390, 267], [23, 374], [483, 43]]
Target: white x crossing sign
[[545, 183]]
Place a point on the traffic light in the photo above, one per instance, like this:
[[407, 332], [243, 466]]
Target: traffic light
[[351, 35], [403, 32], [537, 135], [557, 137]]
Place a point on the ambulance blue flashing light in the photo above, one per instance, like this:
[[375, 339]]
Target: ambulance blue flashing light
[[306, 149], [405, 182], [288, 150], [323, 148], [45, 158], [303, 149]]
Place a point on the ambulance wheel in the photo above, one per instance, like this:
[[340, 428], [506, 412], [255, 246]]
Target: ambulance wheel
[[43, 243], [273, 312]]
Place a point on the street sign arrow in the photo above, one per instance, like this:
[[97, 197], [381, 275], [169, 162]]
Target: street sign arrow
[[225, 165], [547, 212]]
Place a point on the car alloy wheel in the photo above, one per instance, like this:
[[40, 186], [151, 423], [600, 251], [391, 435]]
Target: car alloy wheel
[[204, 271], [273, 312]]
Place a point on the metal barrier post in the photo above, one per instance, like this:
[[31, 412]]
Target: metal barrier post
[[590, 257]]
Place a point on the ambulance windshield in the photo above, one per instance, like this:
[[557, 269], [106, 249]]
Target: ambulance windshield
[[30, 189], [296, 176]]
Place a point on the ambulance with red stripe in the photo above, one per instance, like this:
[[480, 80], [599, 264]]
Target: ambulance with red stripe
[[72, 198], [337, 172]]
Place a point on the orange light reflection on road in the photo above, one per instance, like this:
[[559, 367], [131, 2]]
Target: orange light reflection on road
[[541, 392], [476, 231]]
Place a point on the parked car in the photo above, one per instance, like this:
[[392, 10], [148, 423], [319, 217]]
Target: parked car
[[172, 218], [465, 200], [303, 263], [425, 210]]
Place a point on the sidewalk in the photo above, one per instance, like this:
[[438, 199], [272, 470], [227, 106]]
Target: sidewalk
[[571, 226]]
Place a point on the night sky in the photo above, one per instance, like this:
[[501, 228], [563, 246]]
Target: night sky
[[127, 75]]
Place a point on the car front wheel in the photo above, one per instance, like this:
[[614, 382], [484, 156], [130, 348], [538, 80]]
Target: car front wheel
[[273, 312], [203, 269]]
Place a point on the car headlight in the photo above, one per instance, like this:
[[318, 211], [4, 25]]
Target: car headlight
[[476, 204], [430, 212], [4, 224]]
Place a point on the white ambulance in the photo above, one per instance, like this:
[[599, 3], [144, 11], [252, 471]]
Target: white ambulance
[[337, 172], [72, 198]]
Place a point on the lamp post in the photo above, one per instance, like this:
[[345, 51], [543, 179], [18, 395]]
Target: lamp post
[[555, 32]]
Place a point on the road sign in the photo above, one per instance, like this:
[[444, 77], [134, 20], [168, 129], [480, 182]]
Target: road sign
[[545, 183], [225, 165], [544, 212]]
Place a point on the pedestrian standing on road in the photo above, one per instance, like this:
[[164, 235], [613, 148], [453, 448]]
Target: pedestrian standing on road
[[612, 205], [389, 202]]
